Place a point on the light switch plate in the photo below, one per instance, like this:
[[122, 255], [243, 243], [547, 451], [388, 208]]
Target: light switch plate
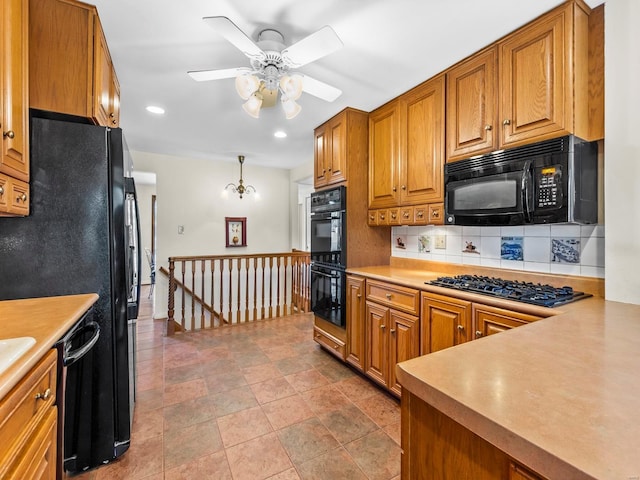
[[440, 242], [180, 229]]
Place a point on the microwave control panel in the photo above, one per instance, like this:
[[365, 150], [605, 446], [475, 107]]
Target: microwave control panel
[[549, 187]]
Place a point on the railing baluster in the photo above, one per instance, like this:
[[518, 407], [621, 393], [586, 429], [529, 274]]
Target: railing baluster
[[281, 288], [182, 322]]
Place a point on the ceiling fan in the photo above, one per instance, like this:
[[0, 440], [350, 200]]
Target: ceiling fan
[[271, 63]]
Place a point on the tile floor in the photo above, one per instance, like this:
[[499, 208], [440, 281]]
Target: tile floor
[[253, 402]]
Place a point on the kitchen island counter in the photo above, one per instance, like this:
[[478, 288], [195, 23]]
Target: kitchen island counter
[[45, 319], [560, 395]]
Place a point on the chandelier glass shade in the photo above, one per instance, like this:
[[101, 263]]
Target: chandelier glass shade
[[241, 189], [250, 87]]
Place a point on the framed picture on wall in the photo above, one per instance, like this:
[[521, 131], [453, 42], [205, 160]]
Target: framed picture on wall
[[236, 228]]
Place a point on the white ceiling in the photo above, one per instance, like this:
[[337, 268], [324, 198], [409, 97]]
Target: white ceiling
[[389, 47]]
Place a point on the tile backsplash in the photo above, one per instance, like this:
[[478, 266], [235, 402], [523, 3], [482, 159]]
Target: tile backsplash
[[562, 249]]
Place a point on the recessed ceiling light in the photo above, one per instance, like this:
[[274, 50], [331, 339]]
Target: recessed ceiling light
[[156, 110], [280, 134]]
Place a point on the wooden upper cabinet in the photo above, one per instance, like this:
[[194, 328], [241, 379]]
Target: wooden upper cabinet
[[536, 79], [531, 86], [384, 155], [406, 148], [422, 161], [71, 71], [471, 106], [14, 108], [336, 141]]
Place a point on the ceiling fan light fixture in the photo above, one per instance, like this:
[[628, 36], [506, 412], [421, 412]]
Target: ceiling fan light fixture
[[253, 104], [291, 86], [247, 85], [290, 107]]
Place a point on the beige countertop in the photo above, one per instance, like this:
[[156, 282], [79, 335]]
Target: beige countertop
[[560, 395], [45, 319]]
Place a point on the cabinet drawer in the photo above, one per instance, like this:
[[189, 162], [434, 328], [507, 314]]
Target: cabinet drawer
[[420, 215], [14, 196], [335, 346], [372, 219], [24, 406], [436, 214], [394, 216], [383, 217], [394, 296]]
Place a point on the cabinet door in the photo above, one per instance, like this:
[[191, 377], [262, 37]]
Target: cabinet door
[[14, 77], [384, 156], [471, 106], [534, 80], [321, 150], [377, 354], [491, 320], [422, 158], [338, 153], [355, 322], [445, 322], [102, 87], [404, 344]]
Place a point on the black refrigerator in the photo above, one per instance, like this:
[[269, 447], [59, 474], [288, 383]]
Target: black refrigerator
[[82, 236]]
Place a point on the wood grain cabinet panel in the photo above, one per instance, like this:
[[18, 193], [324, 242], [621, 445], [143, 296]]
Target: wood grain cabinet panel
[[471, 106], [384, 155], [14, 107], [404, 344], [70, 68], [489, 320], [28, 417], [336, 142], [356, 341], [377, 352], [445, 322]]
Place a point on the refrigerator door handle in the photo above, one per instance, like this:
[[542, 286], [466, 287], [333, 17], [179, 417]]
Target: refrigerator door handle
[[135, 250]]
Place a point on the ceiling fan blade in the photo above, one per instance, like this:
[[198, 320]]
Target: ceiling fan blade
[[315, 46], [204, 75], [234, 35], [320, 89]]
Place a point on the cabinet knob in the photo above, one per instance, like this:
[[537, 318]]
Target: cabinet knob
[[460, 327], [487, 127], [22, 198], [371, 217], [382, 216], [329, 168], [393, 330], [388, 295], [383, 327], [405, 214], [336, 346], [1, 191], [114, 122], [43, 396], [393, 215], [9, 134], [404, 187], [112, 115], [420, 214], [359, 295], [435, 213], [478, 333], [394, 189], [506, 121]]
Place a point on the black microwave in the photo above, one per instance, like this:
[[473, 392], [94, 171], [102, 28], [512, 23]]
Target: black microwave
[[555, 181]]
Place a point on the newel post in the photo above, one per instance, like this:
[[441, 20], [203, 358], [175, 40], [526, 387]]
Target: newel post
[[170, 302]]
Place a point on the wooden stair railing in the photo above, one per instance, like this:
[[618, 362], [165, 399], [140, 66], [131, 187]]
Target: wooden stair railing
[[218, 290]]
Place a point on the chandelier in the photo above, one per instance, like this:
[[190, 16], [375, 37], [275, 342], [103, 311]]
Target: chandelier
[[240, 189]]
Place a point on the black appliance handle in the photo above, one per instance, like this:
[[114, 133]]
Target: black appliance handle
[[527, 194], [130, 189], [71, 357], [316, 272]]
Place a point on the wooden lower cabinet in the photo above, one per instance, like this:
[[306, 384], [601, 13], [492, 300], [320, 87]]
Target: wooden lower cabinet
[[491, 320], [435, 447], [355, 322], [28, 425], [445, 322], [391, 337]]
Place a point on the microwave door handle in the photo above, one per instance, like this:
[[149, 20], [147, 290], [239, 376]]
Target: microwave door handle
[[527, 195]]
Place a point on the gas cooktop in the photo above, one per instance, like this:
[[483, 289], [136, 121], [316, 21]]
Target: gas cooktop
[[527, 292]]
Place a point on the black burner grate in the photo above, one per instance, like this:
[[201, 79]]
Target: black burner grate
[[527, 292]]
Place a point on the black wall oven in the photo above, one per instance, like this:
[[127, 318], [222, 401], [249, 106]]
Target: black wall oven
[[328, 255]]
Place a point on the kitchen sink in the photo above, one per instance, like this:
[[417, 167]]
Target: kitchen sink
[[11, 349]]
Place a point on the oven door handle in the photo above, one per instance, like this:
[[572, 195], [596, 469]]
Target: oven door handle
[[316, 272], [71, 357]]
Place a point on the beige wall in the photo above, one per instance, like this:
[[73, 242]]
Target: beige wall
[[190, 193], [622, 151]]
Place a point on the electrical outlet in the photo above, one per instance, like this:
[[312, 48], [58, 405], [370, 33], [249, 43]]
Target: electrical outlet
[[180, 229], [440, 241]]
